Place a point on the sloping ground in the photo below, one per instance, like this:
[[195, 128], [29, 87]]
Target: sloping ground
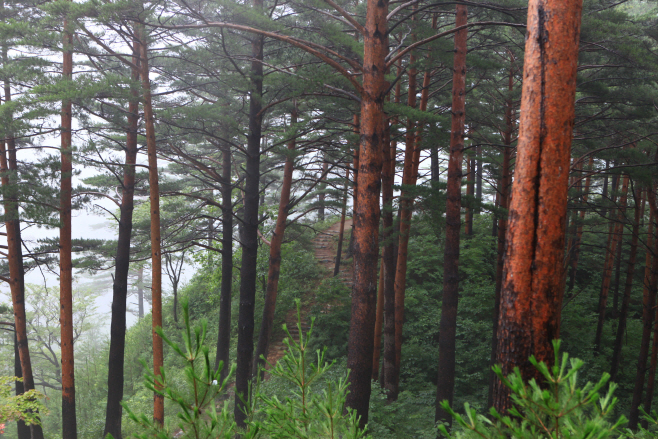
[[325, 253]]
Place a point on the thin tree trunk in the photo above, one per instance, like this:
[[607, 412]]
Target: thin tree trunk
[[653, 362], [623, 316], [355, 189], [224, 329], [478, 179], [390, 256], [322, 196], [502, 195], [579, 229], [69, 425], [341, 233], [113, 409], [249, 238], [9, 179], [156, 254], [387, 220], [448, 325], [406, 206], [616, 283], [140, 292], [648, 303], [470, 190], [607, 269], [532, 289], [366, 218], [274, 269]]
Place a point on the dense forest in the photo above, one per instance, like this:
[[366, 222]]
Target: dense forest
[[328, 219]]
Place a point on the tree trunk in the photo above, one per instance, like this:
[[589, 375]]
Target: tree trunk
[[448, 324], [274, 269], [630, 271], [502, 195], [366, 218], [387, 220], [322, 196], [478, 179], [389, 255], [341, 233], [140, 293], [648, 303], [615, 294], [470, 190], [249, 238], [9, 180], [406, 206], [113, 409], [69, 425], [156, 254], [355, 189], [579, 229], [607, 268], [532, 288], [224, 329]]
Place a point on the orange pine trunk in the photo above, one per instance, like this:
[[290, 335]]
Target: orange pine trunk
[[156, 255], [532, 288], [366, 218]]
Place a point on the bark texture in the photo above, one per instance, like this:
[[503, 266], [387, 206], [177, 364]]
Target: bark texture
[[532, 289], [366, 218]]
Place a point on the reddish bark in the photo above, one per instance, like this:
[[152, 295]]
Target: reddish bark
[[154, 198], [69, 425], [607, 268], [366, 218], [406, 205], [448, 325], [532, 288], [275, 255], [113, 409], [630, 271], [379, 321], [8, 172], [648, 302]]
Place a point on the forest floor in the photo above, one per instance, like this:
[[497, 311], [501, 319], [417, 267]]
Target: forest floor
[[325, 247]]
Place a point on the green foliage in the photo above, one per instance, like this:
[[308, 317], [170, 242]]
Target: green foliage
[[305, 414], [559, 409], [20, 407]]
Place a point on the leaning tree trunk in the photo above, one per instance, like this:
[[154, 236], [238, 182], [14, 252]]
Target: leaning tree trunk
[[607, 267], [623, 315], [224, 329], [69, 425], [274, 269], [648, 303], [113, 409], [532, 289], [9, 180], [156, 254], [341, 232], [322, 195], [448, 324], [366, 218], [502, 195], [249, 238]]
